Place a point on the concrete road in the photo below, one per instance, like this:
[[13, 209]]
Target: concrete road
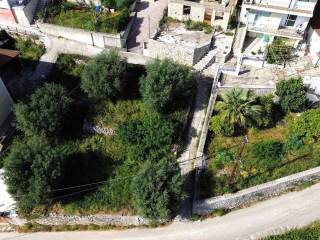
[[294, 209]]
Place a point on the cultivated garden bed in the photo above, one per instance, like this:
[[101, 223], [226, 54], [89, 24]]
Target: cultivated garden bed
[[270, 146]]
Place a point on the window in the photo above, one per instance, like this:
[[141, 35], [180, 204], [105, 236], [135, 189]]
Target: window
[[186, 10], [290, 21]]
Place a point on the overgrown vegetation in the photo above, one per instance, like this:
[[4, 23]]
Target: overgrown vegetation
[[274, 143], [279, 52], [54, 153], [31, 49], [292, 96], [311, 232], [85, 17]]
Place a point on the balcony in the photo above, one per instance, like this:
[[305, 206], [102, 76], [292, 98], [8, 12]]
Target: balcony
[[281, 31], [282, 6]]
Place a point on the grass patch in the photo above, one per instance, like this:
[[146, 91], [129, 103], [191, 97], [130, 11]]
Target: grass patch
[[311, 232]]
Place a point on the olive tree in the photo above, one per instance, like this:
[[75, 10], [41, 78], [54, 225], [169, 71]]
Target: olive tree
[[44, 112], [164, 83], [105, 75]]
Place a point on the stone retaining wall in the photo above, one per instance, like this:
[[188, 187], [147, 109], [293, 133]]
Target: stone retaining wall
[[55, 219], [259, 192], [182, 54]]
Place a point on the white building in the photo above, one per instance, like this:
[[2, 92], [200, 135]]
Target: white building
[[283, 18], [18, 11]]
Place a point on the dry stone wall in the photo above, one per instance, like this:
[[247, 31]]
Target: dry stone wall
[[114, 220], [260, 192]]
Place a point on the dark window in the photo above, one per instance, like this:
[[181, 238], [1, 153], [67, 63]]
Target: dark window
[[186, 10], [290, 21]]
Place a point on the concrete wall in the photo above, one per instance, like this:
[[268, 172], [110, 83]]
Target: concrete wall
[[253, 194], [25, 14], [4, 4], [6, 102], [93, 38], [314, 44]]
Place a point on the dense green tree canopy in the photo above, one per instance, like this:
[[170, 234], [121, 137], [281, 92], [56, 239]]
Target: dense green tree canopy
[[32, 169], [165, 82], [292, 94], [105, 75], [156, 189], [45, 112]]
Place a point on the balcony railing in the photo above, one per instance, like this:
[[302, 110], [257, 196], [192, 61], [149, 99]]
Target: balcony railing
[[290, 4], [280, 31]]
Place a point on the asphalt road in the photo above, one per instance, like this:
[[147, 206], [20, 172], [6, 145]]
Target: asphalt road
[[294, 209]]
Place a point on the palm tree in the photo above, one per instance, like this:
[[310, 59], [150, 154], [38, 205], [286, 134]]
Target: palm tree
[[239, 108]]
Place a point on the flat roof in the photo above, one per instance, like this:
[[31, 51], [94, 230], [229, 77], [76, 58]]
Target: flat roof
[[7, 55]]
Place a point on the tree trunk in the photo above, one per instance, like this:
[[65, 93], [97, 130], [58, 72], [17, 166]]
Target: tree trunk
[[238, 160]]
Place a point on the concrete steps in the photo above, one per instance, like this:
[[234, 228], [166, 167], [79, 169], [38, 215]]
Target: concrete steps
[[206, 61]]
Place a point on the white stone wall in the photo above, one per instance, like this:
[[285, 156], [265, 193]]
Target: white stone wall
[[314, 44], [114, 220], [6, 102], [249, 195], [4, 4], [25, 14]]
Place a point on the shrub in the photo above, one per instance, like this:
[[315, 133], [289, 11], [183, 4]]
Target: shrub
[[156, 190], [194, 25], [45, 112], [292, 94], [224, 156], [293, 143], [220, 127], [165, 83], [152, 134], [268, 153], [307, 126], [105, 76]]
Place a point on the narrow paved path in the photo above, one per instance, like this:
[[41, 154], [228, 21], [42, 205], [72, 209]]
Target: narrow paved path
[[187, 158], [295, 209], [149, 15]]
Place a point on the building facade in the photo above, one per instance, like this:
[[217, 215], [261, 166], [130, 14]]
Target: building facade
[[212, 13], [283, 18], [18, 11]]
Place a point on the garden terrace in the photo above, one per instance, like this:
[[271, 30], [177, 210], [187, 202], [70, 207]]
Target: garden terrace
[[264, 157], [84, 17]]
